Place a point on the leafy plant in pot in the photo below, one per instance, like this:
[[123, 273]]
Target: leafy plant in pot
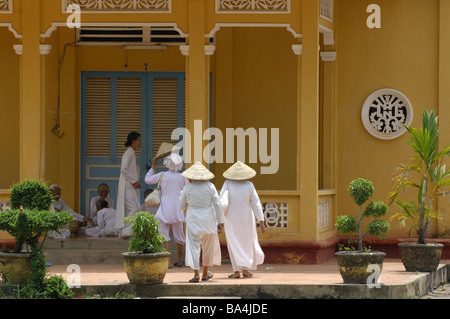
[[29, 220], [428, 176], [146, 261], [353, 263]]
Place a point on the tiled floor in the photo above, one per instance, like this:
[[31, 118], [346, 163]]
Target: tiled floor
[[326, 273]]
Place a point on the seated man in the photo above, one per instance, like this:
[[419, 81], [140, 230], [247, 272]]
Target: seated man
[[153, 209], [58, 206], [103, 193], [105, 221]]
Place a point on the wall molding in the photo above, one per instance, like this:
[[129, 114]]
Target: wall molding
[[218, 26]]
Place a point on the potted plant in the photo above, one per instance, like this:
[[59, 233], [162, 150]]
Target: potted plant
[[146, 261], [427, 175], [353, 263], [28, 220]]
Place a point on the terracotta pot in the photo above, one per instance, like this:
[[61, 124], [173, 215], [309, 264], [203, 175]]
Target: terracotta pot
[[146, 268], [354, 266], [15, 268], [420, 257]]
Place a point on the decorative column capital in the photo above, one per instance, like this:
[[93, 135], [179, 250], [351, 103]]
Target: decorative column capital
[[184, 50], [328, 56], [18, 48], [297, 48], [210, 49], [44, 49]]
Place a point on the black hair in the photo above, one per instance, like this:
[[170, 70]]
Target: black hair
[[103, 184], [132, 136], [102, 203]]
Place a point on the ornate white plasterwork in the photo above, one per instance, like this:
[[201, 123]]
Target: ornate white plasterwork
[[275, 215], [384, 112], [297, 48], [253, 6], [326, 9], [120, 6], [184, 50], [44, 49], [6, 6], [328, 56]]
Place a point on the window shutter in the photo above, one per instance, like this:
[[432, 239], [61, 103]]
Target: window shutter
[[165, 110], [98, 115], [128, 111]]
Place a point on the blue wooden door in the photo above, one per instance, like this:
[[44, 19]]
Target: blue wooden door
[[114, 104]]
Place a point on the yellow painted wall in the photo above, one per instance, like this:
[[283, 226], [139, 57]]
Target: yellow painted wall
[[9, 110], [402, 55], [263, 80]]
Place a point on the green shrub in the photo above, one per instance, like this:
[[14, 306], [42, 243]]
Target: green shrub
[[27, 221], [144, 233], [427, 174], [56, 287], [361, 190], [28, 226], [31, 194]]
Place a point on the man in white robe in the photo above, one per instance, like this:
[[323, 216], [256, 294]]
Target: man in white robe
[[128, 199], [59, 206], [204, 220], [103, 193], [106, 218]]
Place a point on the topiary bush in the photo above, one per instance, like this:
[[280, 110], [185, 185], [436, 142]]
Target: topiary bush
[[27, 226], [361, 190], [28, 220], [31, 194]]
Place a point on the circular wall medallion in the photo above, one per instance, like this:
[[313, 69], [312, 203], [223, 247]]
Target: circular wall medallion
[[384, 112]]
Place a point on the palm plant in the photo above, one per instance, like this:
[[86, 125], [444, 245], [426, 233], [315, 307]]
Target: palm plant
[[426, 173]]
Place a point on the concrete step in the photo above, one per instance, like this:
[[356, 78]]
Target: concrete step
[[81, 256], [86, 250], [86, 243]]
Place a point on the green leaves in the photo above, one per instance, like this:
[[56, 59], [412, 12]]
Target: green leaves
[[31, 194], [26, 228], [427, 174], [378, 228], [361, 190], [144, 233], [376, 209], [347, 224]]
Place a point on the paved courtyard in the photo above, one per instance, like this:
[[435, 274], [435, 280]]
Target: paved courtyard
[[322, 274]]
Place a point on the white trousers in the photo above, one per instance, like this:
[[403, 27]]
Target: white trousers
[[177, 232], [210, 247]]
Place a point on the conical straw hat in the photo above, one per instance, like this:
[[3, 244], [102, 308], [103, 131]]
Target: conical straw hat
[[166, 148], [239, 171], [198, 172]]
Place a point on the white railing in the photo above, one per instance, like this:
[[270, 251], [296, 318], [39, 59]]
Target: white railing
[[326, 9], [157, 6], [253, 6]]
